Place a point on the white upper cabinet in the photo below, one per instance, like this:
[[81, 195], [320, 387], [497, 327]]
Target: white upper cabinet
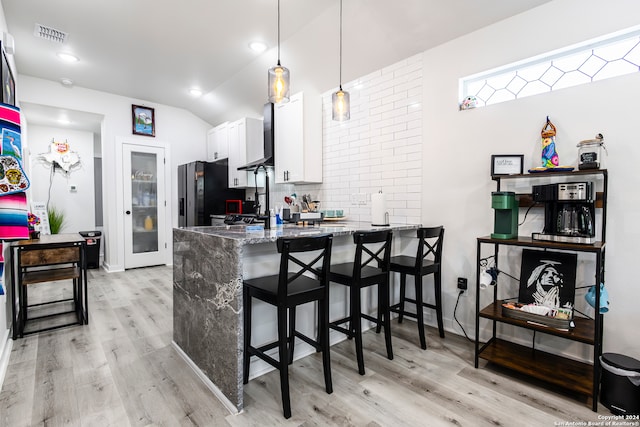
[[298, 140], [218, 142], [245, 139]]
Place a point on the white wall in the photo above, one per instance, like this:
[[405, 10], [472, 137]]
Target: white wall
[[458, 146], [78, 206], [182, 132]]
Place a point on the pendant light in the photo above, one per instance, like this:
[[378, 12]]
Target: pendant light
[[340, 99], [278, 76]]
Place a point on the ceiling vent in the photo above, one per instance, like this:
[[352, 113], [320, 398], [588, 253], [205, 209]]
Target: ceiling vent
[[49, 33]]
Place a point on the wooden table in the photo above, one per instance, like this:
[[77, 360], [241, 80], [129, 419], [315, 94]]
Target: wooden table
[[48, 259]]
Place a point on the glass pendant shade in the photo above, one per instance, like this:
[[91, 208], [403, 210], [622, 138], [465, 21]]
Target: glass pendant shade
[[341, 105], [278, 84]]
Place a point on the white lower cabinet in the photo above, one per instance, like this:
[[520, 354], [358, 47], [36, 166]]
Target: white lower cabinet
[[298, 140]]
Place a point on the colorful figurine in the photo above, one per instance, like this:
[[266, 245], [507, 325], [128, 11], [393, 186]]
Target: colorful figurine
[[550, 157], [468, 103]]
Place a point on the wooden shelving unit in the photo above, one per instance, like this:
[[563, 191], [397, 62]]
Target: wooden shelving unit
[[577, 376]]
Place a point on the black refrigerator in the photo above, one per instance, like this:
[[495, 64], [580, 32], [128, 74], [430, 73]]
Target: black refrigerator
[[203, 189]]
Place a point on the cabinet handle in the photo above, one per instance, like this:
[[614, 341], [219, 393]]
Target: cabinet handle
[[215, 155]]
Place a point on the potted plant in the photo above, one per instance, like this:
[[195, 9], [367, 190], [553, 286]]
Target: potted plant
[[56, 219]]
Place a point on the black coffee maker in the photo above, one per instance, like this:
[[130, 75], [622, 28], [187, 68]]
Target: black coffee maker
[[569, 212]]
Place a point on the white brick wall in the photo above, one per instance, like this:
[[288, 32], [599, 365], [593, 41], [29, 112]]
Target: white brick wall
[[380, 148]]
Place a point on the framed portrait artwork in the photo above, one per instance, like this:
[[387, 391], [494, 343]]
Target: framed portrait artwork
[[8, 84], [507, 164], [548, 278], [143, 120]]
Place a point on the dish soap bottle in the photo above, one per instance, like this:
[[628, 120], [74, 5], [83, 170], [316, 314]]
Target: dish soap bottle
[[272, 219]]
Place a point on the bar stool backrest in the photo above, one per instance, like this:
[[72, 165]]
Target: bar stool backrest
[[287, 247], [373, 249], [429, 245]]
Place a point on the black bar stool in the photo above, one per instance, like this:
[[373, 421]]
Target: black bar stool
[[287, 290], [427, 261], [370, 267]]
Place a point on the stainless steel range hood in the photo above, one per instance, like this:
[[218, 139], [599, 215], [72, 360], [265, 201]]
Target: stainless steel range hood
[[267, 159]]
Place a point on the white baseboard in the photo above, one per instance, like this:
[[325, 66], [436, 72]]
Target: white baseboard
[[112, 268], [6, 344], [207, 382]]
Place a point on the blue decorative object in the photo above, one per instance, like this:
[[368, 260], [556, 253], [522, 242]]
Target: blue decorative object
[[604, 298]]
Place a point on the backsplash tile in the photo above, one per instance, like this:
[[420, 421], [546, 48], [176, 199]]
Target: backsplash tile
[[380, 148]]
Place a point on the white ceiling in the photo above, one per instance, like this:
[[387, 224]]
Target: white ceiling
[[155, 50]]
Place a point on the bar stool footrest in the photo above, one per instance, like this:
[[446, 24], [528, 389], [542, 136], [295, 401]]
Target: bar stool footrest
[[396, 309], [315, 344], [260, 352], [336, 326]]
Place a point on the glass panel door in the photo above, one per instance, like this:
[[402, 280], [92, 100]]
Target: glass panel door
[[144, 202]]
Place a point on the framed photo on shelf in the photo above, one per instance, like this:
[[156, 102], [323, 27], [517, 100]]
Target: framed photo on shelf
[[143, 120], [548, 278], [8, 84], [507, 164]]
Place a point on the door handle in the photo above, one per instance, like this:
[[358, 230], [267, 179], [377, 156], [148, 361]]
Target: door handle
[[128, 212]]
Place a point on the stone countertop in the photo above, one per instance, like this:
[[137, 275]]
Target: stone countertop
[[254, 234]]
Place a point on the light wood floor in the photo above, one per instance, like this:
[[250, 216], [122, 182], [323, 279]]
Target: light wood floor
[[121, 370]]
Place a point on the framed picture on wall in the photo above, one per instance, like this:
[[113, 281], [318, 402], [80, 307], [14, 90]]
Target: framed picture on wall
[[143, 120], [8, 84]]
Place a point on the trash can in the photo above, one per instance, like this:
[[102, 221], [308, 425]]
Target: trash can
[[620, 384], [92, 239]]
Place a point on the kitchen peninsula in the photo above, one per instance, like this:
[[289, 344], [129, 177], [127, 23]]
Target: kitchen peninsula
[[209, 264]]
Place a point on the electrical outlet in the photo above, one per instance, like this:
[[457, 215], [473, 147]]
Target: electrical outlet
[[359, 199], [462, 283]]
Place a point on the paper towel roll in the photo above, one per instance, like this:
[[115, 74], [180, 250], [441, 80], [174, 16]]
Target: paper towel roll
[[379, 213]]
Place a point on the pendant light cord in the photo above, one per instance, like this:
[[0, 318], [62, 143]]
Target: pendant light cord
[[340, 80], [279, 32]]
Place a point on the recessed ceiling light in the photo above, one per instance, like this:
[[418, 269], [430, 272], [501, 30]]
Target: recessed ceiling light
[[257, 46], [67, 57], [64, 121], [66, 82], [195, 92]]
